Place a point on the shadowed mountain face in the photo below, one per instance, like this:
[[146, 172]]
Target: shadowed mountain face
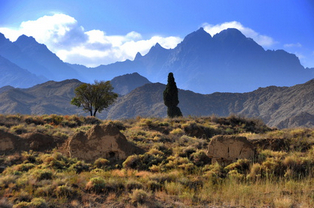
[[227, 62], [47, 98], [282, 107], [126, 83], [31, 61], [11, 74], [55, 69]]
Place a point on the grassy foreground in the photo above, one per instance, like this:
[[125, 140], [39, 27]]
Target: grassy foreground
[[174, 171]]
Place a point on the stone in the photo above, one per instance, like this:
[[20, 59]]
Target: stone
[[100, 142], [226, 149], [7, 141], [38, 142], [193, 130], [10, 143]]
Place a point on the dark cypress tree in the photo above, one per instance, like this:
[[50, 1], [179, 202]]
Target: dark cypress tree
[[171, 99]]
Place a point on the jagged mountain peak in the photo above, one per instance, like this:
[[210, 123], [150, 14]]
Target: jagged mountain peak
[[2, 37], [26, 39], [157, 48], [199, 35], [26, 42], [126, 83], [230, 33], [138, 55], [233, 39], [4, 40], [233, 36], [157, 45]]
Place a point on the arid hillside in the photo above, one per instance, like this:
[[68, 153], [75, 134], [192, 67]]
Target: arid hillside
[[281, 107], [151, 162]]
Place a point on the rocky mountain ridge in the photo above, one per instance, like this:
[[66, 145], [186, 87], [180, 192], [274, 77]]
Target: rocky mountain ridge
[[226, 62], [280, 107]]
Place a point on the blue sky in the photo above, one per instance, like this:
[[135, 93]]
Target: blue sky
[[104, 31]]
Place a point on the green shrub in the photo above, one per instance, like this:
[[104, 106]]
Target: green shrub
[[96, 184], [187, 151], [132, 184], [255, 172], [29, 157], [133, 161], [64, 191], [241, 166], [35, 203], [139, 196], [80, 166], [91, 120], [42, 174], [24, 167], [200, 158], [56, 119], [101, 163], [177, 131], [18, 129], [153, 185], [6, 180], [272, 167]]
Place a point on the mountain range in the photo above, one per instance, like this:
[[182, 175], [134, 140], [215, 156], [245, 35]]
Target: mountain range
[[226, 62], [281, 107], [241, 70]]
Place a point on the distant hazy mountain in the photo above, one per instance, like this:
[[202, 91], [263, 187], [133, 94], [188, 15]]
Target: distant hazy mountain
[[277, 106], [126, 83], [56, 69], [54, 97], [34, 58], [226, 62], [47, 98], [5, 88], [15, 76], [14, 54]]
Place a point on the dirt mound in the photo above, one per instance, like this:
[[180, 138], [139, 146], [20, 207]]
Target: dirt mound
[[38, 142], [226, 149], [10, 143], [7, 141], [100, 141], [194, 130]]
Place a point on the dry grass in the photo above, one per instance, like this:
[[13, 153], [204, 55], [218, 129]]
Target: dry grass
[[173, 172]]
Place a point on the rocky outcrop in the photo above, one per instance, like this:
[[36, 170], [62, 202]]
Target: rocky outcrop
[[7, 141], [39, 142], [226, 149], [100, 141], [194, 130], [10, 143]]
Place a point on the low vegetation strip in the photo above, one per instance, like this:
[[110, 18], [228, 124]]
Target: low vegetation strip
[[173, 170]]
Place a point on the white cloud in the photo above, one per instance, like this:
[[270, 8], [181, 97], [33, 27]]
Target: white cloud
[[262, 40], [300, 55], [293, 45], [64, 36]]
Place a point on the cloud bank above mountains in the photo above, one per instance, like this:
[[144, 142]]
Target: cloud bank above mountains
[[64, 36]]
